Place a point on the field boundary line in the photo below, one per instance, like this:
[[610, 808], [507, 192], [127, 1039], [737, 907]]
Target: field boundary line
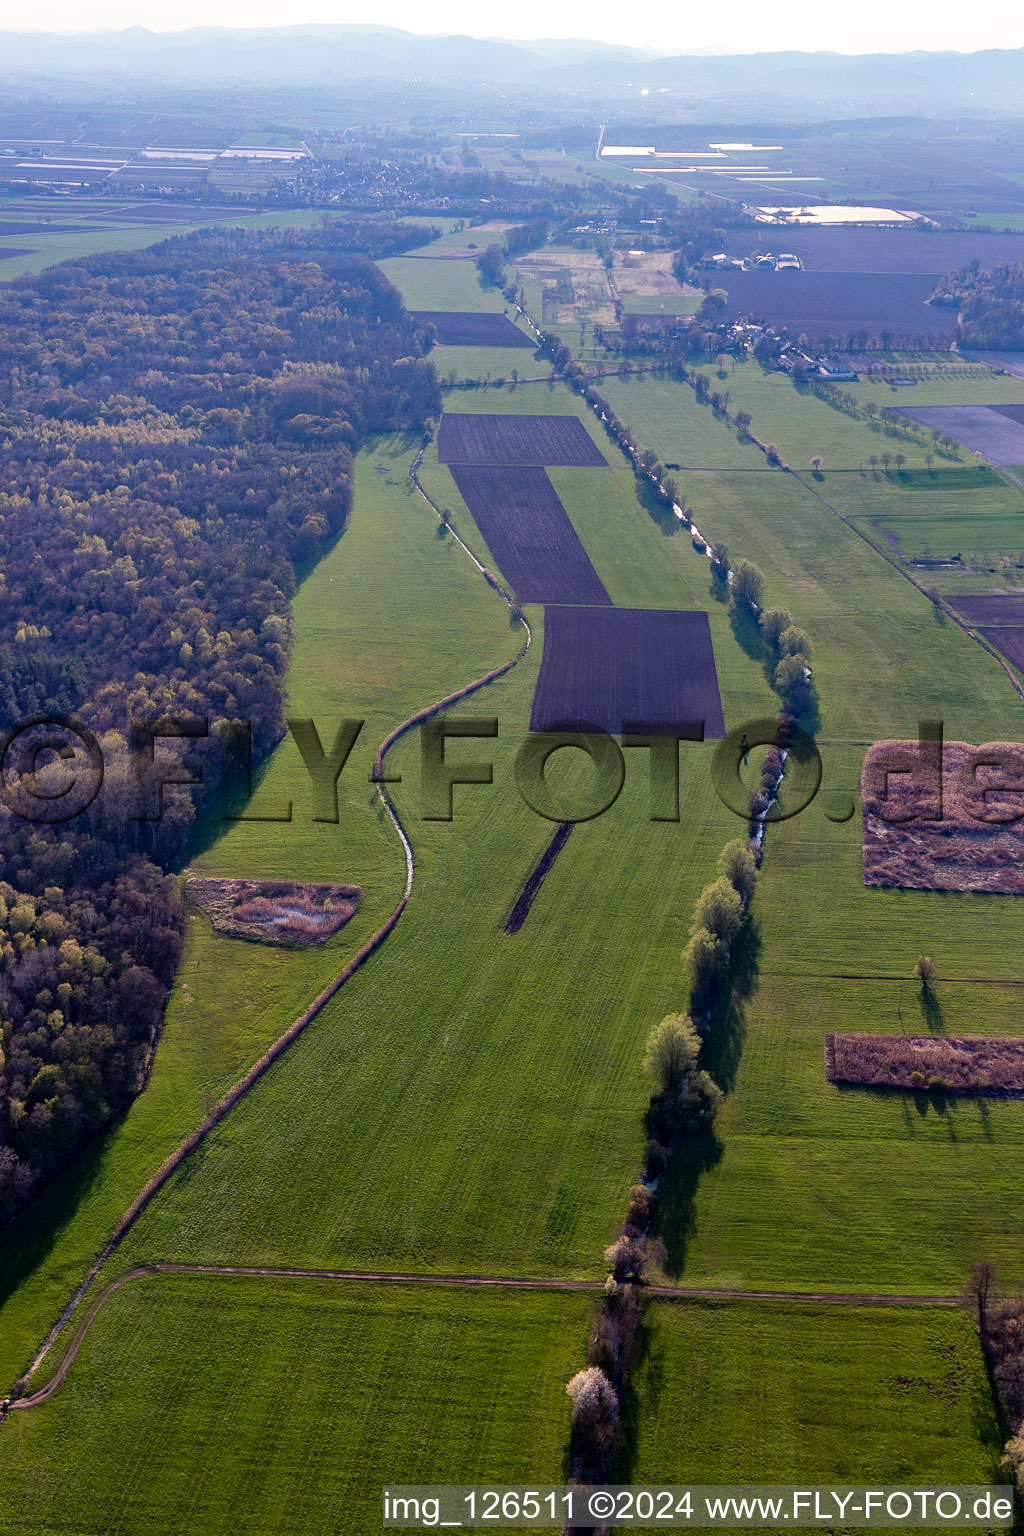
[[457, 1282], [896, 566], [296, 1028]]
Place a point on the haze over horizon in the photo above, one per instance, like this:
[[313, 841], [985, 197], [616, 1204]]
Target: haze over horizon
[[873, 27]]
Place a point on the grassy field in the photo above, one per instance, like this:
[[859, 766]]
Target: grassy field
[[680, 431], [487, 364], [863, 1191], [793, 1393], [942, 389], [222, 1405], [399, 1160], [802, 424], [120, 233], [90, 237], [431, 282], [976, 538]]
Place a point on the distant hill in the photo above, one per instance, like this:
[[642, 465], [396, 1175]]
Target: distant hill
[[319, 55]]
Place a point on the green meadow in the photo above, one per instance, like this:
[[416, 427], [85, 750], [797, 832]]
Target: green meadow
[[730, 1392], [434, 282], [218, 1404], [807, 1184], [473, 1101]]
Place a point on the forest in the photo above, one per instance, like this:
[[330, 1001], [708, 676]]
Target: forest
[[177, 427], [991, 304]]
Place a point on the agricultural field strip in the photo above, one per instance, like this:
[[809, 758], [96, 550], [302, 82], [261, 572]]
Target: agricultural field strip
[[992, 430], [473, 328], [468, 1282], [281, 1044], [529, 534], [1008, 639], [878, 251], [852, 522], [839, 302], [496, 440], [620, 669]]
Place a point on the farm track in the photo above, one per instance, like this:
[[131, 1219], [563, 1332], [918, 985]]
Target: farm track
[[456, 1282], [296, 1028]]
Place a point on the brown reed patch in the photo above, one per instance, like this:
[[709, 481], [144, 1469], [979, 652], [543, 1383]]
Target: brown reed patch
[[275, 911]]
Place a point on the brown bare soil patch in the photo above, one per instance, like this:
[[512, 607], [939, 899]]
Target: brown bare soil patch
[[650, 276], [990, 608], [949, 1063], [1009, 639], [949, 822], [275, 911]]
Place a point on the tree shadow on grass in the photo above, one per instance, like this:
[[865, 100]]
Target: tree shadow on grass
[[676, 1220], [718, 587], [748, 636], [31, 1235], [656, 508], [648, 1358], [931, 1009], [721, 1055]]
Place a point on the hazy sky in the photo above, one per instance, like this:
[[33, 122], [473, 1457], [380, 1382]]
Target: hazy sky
[[742, 25]]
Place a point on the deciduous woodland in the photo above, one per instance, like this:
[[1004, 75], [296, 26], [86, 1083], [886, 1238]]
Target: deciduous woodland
[[991, 304], [176, 427]]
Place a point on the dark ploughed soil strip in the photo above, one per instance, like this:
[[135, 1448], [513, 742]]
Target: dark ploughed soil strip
[[467, 438], [517, 917], [458, 328], [943, 1063], [842, 249], [529, 534], [628, 670], [1008, 640], [1012, 412], [987, 429], [7, 251], [9, 227], [989, 609], [838, 303]]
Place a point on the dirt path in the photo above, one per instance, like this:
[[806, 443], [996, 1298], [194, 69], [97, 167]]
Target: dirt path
[[459, 1282], [281, 1044]]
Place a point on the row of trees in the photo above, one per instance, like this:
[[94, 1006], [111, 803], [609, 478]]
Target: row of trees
[[683, 1103], [177, 429], [887, 417]]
